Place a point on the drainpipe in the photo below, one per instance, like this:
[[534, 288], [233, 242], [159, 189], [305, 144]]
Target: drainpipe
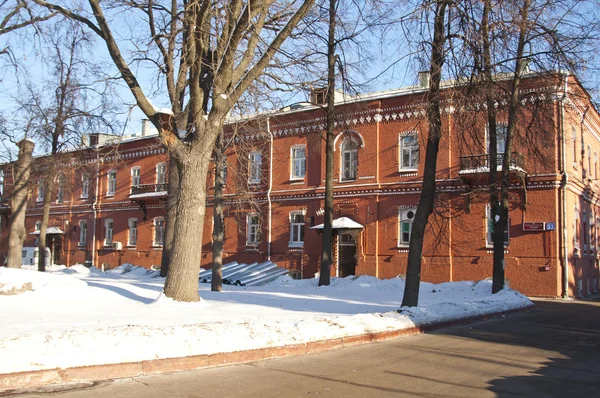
[[269, 221], [95, 210], [565, 180]]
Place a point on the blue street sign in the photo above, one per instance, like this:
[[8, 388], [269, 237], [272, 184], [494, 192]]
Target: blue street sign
[[550, 226]]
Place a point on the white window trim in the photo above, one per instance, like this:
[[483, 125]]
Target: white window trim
[[112, 232], [60, 188], [293, 213], [257, 234], [155, 243], [575, 229], [292, 163], [82, 242], [41, 189], [403, 216], [108, 191], [487, 136], [129, 243], [251, 178], [400, 148], [85, 182], [489, 241], [38, 225], [161, 164], [139, 176], [342, 153]]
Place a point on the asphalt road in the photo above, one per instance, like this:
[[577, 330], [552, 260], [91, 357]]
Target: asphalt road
[[552, 350]]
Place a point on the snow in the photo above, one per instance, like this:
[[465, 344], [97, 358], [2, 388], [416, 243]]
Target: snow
[[148, 195], [81, 316], [341, 223]]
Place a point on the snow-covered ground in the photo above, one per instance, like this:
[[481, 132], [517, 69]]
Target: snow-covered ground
[[78, 316]]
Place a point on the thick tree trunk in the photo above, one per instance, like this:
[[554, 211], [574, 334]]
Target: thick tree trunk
[[17, 232], [326, 257], [218, 235], [48, 193], [184, 265], [170, 215], [427, 200]]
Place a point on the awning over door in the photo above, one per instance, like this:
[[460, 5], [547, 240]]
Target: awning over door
[[342, 223], [50, 231]]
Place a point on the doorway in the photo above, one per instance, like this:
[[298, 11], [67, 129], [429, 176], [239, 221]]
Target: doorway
[[347, 256]]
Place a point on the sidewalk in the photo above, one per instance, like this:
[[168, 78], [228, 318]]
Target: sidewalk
[[12, 382]]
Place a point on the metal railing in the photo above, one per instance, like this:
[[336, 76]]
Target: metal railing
[[148, 188], [482, 162]]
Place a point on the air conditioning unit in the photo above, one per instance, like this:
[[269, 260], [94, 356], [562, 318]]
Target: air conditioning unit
[[117, 246]]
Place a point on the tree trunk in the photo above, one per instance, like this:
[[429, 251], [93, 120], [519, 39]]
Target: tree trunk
[[17, 232], [48, 192], [184, 263], [216, 284], [427, 200], [170, 215], [326, 257]]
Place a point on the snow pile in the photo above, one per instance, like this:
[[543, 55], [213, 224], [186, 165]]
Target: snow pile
[[81, 316]]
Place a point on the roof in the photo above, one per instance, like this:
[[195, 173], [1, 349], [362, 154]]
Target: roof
[[50, 231], [342, 223]]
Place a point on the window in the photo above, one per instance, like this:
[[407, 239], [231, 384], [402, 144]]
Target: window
[[501, 133], [409, 152], [161, 176], [595, 165], [41, 188], [574, 139], [592, 228], [349, 160], [112, 183], [82, 232], [253, 229], [598, 233], [575, 224], [405, 221], [1, 183], [490, 228], [254, 167], [85, 185], [38, 225], [133, 232], [589, 155], [584, 230], [296, 228], [159, 231], [298, 162], [60, 189], [108, 232], [135, 176]]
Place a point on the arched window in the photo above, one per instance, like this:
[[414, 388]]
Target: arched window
[[85, 185], [349, 161]]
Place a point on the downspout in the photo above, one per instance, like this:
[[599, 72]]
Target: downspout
[[95, 210], [269, 221], [565, 180]]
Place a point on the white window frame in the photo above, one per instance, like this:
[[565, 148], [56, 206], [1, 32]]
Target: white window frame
[[158, 239], [489, 230], [161, 174], [41, 190], [411, 150], [38, 225], [132, 233], [500, 145], [575, 229], [574, 138], [298, 163], [252, 229], [406, 217], [584, 229], [85, 185], [82, 233], [254, 167], [136, 176], [297, 228], [109, 231], [60, 188], [349, 158], [111, 187]]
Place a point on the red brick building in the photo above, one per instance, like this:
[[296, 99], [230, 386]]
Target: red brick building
[[111, 208]]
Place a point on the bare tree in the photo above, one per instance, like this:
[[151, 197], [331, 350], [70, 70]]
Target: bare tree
[[20, 177], [427, 199]]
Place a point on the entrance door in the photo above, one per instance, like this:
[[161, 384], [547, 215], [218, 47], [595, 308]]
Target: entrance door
[[347, 260]]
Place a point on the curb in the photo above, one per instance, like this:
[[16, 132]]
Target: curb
[[9, 382]]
